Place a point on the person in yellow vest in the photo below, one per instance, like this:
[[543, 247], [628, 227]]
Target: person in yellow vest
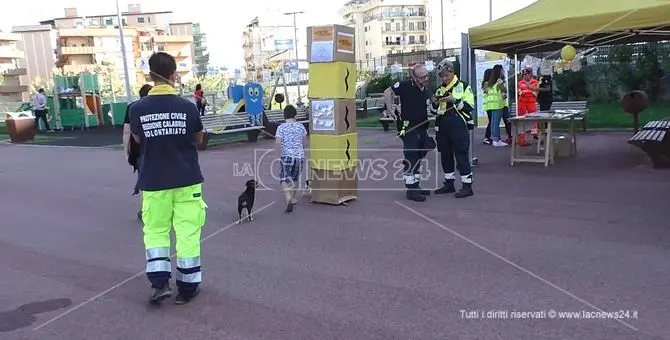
[[496, 102], [486, 104], [454, 103]]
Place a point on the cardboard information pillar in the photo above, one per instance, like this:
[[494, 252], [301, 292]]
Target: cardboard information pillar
[[333, 136]]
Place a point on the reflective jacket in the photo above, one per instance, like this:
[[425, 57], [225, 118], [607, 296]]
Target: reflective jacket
[[464, 100]]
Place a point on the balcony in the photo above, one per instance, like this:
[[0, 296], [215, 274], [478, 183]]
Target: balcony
[[9, 52], [76, 69], [78, 50], [14, 88], [15, 72], [173, 38], [404, 43], [94, 32]]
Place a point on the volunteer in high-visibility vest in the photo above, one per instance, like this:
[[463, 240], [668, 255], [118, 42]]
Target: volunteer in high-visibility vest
[[168, 129], [454, 104], [496, 99], [527, 89], [486, 104]]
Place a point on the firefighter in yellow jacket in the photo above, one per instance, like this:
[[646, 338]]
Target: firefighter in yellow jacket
[[454, 107]]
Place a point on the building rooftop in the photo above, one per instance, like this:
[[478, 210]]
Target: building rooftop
[[31, 28], [49, 22]]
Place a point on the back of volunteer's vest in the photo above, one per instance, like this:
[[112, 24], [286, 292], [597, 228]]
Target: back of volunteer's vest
[[167, 125]]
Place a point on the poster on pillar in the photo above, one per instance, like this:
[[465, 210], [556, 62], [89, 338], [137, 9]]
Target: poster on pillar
[[480, 68]]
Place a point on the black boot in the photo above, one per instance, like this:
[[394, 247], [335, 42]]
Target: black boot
[[448, 187], [466, 191], [423, 192], [414, 193], [160, 294]]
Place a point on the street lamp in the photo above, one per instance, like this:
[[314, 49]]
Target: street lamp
[[295, 45], [123, 52]]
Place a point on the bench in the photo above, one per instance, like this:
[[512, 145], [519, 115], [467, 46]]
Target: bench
[[571, 105], [657, 125], [364, 106], [655, 142], [228, 123], [276, 117]]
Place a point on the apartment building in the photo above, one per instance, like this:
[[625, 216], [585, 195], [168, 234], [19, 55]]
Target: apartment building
[[387, 26], [87, 43], [39, 44], [200, 54], [268, 44], [12, 89]]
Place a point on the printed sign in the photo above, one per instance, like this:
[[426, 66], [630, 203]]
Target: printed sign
[[267, 75], [322, 33], [429, 65], [322, 51], [284, 44], [345, 43]]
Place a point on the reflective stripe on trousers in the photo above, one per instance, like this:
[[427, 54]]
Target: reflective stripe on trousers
[[158, 260], [188, 270]]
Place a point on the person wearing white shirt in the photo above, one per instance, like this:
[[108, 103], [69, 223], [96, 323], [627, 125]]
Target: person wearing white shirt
[[40, 105]]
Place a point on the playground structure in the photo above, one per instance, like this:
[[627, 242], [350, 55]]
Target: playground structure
[[76, 102]]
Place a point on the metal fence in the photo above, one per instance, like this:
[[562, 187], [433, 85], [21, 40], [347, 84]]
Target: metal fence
[[382, 65], [599, 78]]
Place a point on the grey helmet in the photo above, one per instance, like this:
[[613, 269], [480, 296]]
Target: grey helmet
[[446, 65]]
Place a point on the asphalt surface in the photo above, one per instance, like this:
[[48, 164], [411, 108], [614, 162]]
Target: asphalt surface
[[590, 233]]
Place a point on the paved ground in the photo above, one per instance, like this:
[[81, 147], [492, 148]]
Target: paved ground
[[590, 233]]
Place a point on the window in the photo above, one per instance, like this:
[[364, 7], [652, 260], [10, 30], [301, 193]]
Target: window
[[365, 29], [109, 22], [367, 43], [397, 26], [412, 40], [149, 19], [411, 26], [422, 39], [123, 22], [422, 11], [140, 20], [422, 25], [387, 27]]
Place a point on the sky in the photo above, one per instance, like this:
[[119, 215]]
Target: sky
[[223, 25]]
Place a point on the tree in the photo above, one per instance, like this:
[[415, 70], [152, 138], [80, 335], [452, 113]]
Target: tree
[[213, 83], [111, 83]]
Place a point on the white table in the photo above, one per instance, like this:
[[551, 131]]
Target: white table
[[544, 134]]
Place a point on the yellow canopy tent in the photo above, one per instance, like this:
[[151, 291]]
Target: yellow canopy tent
[[548, 25]]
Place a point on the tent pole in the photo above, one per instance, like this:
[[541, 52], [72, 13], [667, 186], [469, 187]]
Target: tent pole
[[516, 81]]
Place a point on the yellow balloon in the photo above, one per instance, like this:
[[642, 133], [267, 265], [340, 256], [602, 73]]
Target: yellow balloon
[[568, 53]]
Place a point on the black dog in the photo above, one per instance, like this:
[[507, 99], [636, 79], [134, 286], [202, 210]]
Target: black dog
[[246, 200]]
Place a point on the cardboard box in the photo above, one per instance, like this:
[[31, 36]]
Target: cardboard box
[[332, 116], [332, 81], [562, 146], [333, 152], [334, 186], [326, 44]]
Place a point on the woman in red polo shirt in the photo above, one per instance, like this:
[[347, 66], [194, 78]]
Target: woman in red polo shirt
[[527, 89]]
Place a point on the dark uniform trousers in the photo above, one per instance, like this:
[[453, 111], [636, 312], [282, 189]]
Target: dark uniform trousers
[[416, 145], [453, 142]]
